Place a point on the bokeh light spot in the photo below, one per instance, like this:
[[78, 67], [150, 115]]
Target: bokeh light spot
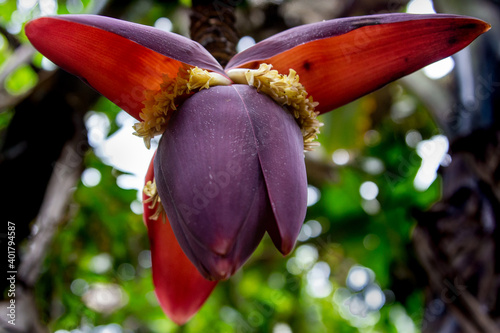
[[244, 43], [368, 190], [313, 195], [91, 177], [164, 24], [341, 157], [357, 278]]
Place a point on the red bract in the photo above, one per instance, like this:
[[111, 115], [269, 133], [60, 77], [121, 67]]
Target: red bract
[[230, 163], [181, 290]]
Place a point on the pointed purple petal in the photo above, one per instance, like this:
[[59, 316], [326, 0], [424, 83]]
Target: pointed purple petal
[[210, 182], [281, 155]]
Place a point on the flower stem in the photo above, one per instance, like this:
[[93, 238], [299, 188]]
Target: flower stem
[[213, 26]]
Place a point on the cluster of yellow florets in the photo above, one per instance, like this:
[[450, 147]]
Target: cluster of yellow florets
[[285, 90], [159, 105], [153, 199]]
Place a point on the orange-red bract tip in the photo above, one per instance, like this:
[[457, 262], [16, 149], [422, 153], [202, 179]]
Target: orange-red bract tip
[[486, 26], [119, 59], [340, 60], [118, 68], [179, 287]]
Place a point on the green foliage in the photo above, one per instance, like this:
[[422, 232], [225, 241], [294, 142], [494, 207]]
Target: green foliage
[[6, 10], [3, 49], [21, 80], [5, 118]]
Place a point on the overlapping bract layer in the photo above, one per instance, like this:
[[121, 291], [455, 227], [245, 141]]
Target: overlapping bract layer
[[246, 175]]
